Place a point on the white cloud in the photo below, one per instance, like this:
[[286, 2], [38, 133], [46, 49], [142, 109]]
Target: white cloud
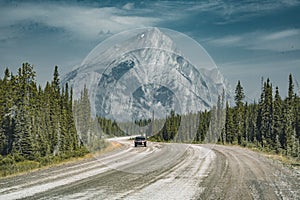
[[280, 41], [235, 11], [282, 34], [81, 22], [227, 41]]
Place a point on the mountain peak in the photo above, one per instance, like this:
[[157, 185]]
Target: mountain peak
[[152, 38], [150, 33]]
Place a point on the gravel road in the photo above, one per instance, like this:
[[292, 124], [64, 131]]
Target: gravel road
[[160, 171]]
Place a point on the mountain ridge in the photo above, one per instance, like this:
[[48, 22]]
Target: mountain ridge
[[148, 62]]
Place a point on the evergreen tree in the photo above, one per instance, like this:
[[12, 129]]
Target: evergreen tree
[[287, 133], [297, 122], [229, 126], [278, 139], [73, 143], [221, 115], [259, 133], [238, 114], [35, 123], [82, 116], [239, 95], [23, 142], [3, 111], [252, 122], [55, 113], [204, 123], [267, 115], [291, 89]]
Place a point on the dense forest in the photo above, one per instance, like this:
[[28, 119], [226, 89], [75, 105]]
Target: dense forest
[[272, 124], [36, 125]]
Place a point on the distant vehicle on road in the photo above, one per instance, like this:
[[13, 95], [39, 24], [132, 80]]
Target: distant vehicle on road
[[140, 140]]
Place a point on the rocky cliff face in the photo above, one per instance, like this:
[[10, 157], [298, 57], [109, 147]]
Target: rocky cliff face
[[143, 74]]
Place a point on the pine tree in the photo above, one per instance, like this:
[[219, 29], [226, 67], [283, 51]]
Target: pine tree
[[289, 131], [259, 133], [55, 113], [290, 89], [82, 115], [287, 135], [238, 114], [204, 122], [297, 122], [220, 117], [252, 122], [239, 95], [23, 142], [278, 139], [229, 126], [245, 130], [71, 128], [210, 135], [267, 115], [9, 118], [48, 116], [40, 125], [2, 135], [5, 104]]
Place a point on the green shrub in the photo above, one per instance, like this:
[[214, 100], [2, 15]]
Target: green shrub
[[6, 161], [18, 158], [7, 166], [27, 165], [45, 160]]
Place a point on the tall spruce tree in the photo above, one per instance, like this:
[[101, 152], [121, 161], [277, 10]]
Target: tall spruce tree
[[238, 114], [278, 139], [267, 115], [229, 125], [245, 130], [55, 113], [297, 123], [252, 122], [288, 120], [23, 142]]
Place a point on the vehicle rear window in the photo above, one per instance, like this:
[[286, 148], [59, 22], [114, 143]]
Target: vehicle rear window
[[140, 138]]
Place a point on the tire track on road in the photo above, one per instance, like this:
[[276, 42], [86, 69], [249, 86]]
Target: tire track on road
[[247, 175]]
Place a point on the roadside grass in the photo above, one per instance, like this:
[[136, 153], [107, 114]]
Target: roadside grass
[[284, 159], [9, 167]]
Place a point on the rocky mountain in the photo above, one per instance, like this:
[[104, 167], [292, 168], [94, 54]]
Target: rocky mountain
[[145, 73]]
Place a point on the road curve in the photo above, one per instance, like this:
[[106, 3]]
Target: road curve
[[160, 171]]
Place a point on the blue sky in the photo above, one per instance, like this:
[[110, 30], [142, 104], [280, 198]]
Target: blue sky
[[246, 39]]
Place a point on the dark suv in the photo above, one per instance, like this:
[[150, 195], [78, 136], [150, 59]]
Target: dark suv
[[140, 140]]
